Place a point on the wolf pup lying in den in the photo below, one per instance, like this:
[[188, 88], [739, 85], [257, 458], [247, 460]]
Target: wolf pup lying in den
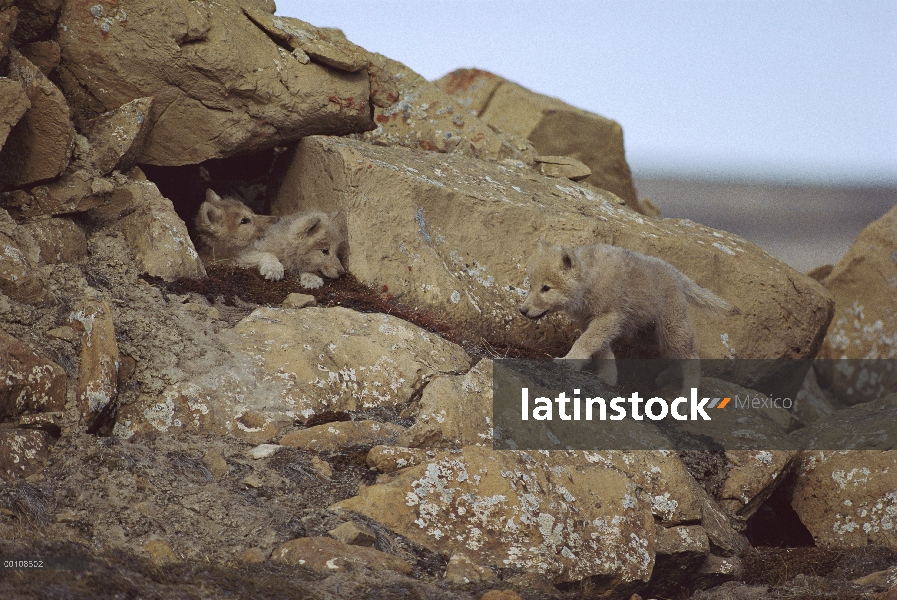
[[612, 292], [305, 243]]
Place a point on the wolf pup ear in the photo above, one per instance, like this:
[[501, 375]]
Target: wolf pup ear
[[211, 196], [568, 261], [312, 225], [209, 217]]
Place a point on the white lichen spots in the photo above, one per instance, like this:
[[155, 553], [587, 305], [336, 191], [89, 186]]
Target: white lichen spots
[[664, 506], [724, 248], [724, 338], [455, 297], [857, 477], [161, 414]]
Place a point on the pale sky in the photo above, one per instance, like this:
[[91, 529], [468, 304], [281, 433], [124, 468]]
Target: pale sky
[[783, 91]]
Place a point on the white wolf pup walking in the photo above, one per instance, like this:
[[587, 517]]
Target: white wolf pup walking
[[611, 292], [306, 243]]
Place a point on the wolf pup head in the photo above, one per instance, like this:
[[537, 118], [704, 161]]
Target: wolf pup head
[[318, 242], [552, 281], [225, 226]]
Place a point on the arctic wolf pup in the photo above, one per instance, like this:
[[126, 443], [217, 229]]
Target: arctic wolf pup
[[612, 292], [305, 243]]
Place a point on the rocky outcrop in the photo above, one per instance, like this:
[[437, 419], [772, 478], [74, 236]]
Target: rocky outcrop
[[40, 145], [221, 85], [554, 127], [285, 364], [427, 227], [864, 285], [424, 117], [559, 515]]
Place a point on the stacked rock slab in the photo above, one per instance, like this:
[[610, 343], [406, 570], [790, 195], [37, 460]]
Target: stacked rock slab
[[553, 126], [222, 86], [455, 235]]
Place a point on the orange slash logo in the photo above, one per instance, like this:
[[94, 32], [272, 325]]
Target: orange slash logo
[[719, 403]]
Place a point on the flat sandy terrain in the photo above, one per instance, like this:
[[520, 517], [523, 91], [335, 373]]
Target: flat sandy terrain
[[803, 225]]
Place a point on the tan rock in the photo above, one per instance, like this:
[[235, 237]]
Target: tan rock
[[40, 145], [73, 192], [14, 103], [221, 85], [500, 595], [61, 240], [563, 167], [252, 556], [554, 127], [333, 437], [216, 464], [354, 534], [116, 137], [753, 477], [23, 452], [43, 55], [160, 552], [158, 236], [436, 248], [864, 285], [848, 499], [423, 117], [19, 276], [295, 300], [288, 364], [554, 514], [455, 411], [461, 570], [321, 468], [30, 384], [672, 494], [680, 552], [388, 459], [320, 44], [326, 556], [98, 376], [339, 359]]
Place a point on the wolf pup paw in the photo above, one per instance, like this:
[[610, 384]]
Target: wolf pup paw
[[310, 280], [271, 270]]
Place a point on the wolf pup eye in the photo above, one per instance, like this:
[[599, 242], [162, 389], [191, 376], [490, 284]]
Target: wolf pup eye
[[325, 251], [244, 221], [545, 288]]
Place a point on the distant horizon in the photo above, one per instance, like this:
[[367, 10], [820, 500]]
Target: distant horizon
[[788, 92]]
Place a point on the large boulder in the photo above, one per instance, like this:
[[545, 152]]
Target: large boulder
[[155, 233], [424, 117], [30, 383], [553, 126], [848, 498], [40, 145], [864, 285], [222, 86], [453, 235], [557, 515], [281, 365]]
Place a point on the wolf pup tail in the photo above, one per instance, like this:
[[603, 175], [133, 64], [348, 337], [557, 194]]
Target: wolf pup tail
[[707, 299]]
